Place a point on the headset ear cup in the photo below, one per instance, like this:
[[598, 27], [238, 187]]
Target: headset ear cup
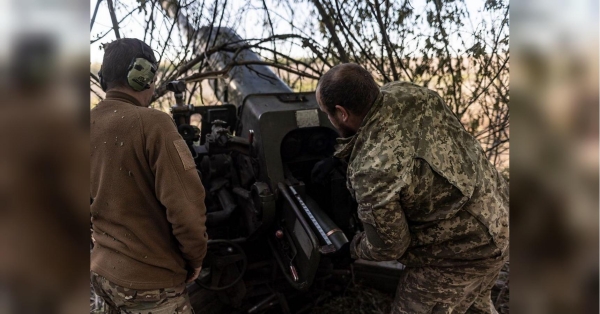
[[140, 74], [152, 75]]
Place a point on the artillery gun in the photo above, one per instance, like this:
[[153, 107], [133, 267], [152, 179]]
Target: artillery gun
[[273, 232]]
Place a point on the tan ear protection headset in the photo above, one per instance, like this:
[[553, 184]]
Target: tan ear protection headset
[[140, 73]]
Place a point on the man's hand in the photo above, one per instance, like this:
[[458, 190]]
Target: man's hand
[[323, 168], [193, 274]]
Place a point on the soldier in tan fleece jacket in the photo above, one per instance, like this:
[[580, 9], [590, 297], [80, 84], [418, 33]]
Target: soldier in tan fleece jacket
[[147, 208]]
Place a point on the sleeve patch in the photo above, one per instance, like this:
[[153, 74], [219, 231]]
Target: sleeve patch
[[184, 154]]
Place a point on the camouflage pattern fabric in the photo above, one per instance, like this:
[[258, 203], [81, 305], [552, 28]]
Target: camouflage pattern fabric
[[445, 290], [428, 197], [426, 193], [129, 301]]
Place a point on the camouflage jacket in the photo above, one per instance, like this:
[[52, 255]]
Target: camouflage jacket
[[426, 193]]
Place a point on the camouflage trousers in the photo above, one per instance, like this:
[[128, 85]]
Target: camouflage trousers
[[445, 290], [121, 300]]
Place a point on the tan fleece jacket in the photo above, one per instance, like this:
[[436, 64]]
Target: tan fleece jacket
[[148, 211]]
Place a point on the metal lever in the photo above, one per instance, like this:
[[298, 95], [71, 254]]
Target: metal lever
[[294, 272]]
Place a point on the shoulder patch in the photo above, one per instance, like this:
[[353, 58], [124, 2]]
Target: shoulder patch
[[184, 154]]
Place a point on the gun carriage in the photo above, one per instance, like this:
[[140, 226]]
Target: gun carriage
[[272, 228]]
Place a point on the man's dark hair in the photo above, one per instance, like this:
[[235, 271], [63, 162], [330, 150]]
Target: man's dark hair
[[348, 85], [117, 58]]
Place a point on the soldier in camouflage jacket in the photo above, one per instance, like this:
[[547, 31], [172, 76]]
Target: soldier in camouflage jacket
[[427, 195]]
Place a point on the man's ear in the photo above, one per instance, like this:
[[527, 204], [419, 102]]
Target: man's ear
[[344, 115]]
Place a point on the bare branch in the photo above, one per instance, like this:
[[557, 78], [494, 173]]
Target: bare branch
[[150, 21], [95, 78], [113, 17], [110, 30], [390, 38], [96, 93], [94, 14], [385, 40], [331, 28], [223, 72]]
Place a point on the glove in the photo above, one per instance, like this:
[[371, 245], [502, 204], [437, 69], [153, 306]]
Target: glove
[[323, 168]]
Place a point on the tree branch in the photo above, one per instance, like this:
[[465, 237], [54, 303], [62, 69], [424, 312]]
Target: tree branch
[[95, 78], [94, 15], [113, 17], [223, 72], [367, 55], [384, 37], [331, 28], [150, 21], [109, 30]]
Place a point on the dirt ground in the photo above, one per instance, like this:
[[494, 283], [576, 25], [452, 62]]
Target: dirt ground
[[359, 299]]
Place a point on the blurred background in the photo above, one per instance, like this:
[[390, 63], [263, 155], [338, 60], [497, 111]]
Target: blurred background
[[44, 168], [554, 156], [46, 53]]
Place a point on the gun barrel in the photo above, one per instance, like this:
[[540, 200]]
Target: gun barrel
[[242, 80]]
